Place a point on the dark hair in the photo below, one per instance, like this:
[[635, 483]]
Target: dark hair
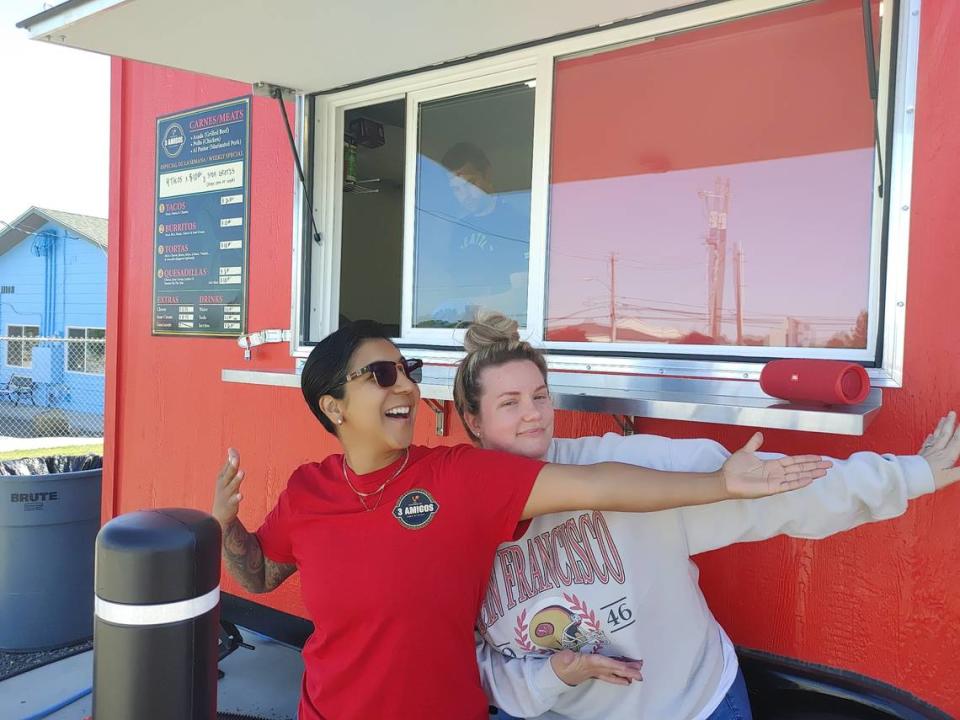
[[463, 153], [491, 340], [326, 367]]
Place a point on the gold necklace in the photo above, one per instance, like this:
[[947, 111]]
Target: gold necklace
[[362, 495]]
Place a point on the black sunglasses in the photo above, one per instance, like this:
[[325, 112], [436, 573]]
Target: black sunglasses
[[385, 371]]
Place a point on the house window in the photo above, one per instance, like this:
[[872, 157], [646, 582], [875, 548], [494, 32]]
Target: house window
[[20, 351], [702, 187], [86, 350]]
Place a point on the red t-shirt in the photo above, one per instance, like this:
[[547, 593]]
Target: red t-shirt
[[394, 593]]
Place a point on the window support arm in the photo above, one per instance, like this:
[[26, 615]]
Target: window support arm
[[278, 93], [873, 82]]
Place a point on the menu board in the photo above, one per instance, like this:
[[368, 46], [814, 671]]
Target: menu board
[[200, 248]]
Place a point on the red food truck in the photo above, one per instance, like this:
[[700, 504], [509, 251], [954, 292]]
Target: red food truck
[[665, 194]]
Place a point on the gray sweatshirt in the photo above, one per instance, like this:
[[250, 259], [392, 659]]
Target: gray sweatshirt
[[623, 584]]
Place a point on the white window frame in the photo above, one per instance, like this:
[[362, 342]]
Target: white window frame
[[537, 63], [20, 339], [538, 200], [86, 339]]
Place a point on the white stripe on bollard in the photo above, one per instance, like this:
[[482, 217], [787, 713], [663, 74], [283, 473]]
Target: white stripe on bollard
[[120, 614]]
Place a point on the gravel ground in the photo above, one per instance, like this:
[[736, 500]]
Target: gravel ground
[[15, 663]]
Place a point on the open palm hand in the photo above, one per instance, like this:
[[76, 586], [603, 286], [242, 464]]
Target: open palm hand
[[942, 449], [747, 476]]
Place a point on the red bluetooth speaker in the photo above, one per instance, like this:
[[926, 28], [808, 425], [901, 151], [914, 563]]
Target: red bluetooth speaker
[[830, 382]]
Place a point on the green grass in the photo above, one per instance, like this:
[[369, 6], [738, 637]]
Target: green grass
[[95, 448]]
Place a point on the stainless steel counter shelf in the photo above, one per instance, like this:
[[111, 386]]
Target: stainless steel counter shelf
[[725, 402]]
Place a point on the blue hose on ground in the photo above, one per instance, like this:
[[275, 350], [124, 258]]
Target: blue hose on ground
[[62, 704]]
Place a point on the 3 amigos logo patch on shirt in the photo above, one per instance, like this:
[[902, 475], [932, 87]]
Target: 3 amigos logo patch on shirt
[[415, 509]]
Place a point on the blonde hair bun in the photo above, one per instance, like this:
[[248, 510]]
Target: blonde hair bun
[[490, 328]]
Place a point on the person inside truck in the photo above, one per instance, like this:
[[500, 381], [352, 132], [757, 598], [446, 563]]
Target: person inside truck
[[477, 253], [394, 542], [579, 585]]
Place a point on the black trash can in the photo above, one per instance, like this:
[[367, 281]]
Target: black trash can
[[49, 518]]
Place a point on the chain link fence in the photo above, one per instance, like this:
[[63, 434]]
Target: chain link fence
[[51, 387]]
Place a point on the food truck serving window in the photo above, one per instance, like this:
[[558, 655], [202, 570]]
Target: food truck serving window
[[703, 190]]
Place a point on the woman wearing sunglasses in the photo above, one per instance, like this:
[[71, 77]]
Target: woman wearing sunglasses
[[638, 595], [394, 543]]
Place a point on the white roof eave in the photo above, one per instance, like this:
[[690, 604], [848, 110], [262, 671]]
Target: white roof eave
[[310, 46]]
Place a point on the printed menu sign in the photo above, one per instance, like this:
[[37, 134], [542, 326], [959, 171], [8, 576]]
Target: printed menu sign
[[200, 235]]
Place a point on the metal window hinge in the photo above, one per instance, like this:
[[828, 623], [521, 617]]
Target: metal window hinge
[[439, 408], [265, 89], [262, 337]]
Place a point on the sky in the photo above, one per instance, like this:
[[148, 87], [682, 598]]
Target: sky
[[54, 122], [804, 234]]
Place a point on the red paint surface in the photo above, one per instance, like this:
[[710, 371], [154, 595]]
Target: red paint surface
[[882, 600], [715, 95]]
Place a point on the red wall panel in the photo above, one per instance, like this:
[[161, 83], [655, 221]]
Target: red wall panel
[[715, 98], [882, 600]]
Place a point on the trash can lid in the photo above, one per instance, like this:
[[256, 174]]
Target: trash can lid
[[50, 465], [157, 556]]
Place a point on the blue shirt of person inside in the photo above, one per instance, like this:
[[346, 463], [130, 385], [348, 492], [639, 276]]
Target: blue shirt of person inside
[[472, 243]]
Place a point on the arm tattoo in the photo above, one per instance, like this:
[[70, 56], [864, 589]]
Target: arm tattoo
[[246, 563], [276, 573]]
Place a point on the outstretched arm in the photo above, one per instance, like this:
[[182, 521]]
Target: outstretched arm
[[628, 488], [242, 553], [865, 488]]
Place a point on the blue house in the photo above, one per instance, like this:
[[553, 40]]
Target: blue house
[[53, 295]]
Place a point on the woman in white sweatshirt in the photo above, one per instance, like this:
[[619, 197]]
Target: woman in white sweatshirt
[[578, 586]]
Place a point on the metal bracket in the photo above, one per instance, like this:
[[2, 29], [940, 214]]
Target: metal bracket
[[261, 337], [265, 89], [439, 410], [626, 424]]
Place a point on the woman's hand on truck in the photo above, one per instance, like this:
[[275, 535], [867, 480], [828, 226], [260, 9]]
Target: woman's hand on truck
[[941, 450]]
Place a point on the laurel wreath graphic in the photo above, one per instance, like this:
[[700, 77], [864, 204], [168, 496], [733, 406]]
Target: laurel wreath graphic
[[521, 633], [587, 615]]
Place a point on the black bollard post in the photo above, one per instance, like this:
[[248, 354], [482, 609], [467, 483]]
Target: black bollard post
[[157, 614]]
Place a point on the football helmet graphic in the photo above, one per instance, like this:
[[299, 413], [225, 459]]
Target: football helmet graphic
[[556, 628]]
